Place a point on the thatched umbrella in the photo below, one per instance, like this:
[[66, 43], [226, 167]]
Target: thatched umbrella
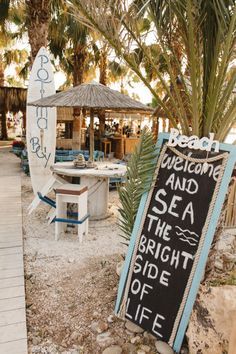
[[93, 97], [12, 99]]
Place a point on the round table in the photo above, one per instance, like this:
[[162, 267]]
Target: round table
[[97, 181]]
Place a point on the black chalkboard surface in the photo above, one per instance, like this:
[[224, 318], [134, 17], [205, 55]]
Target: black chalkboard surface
[[175, 217]]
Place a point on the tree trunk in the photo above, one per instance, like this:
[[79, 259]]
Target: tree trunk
[[103, 67], [103, 81], [80, 56], [38, 19], [1, 71], [4, 135]]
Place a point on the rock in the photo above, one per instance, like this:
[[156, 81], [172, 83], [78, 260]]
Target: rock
[[149, 336], [228, 260], [212, 319], [95, 314], [145, 348], [129, 348], [36, 340], [110, 318], [104, 339], [114, 349], [140, 351], [163, 348], [219, 264], [99, 326], [133, 327], [135, 340], [74, 336], [119, 267]]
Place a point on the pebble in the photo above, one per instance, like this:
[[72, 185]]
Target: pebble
[[114, 349], [110, 318], [74, 336], [219, 265], [140, 351], [95, 314], [119, 267], [104, 339], [129, 348], [163, 348], [145, 348], [36, 340], [99, 327], [135, 340], [149, 336], [133, 327]]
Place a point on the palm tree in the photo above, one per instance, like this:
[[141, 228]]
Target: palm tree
[[203, 31], [196, 44], [8, 54], [68, 41], [38, 15]]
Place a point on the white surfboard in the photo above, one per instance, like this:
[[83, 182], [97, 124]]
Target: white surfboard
[[41, 122]]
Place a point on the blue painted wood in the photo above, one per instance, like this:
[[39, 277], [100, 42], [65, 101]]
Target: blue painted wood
[[206, 246], [72, 221], [47, 200], [138, 219]]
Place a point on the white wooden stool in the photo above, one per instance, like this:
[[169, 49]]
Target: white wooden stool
[[71, 193]]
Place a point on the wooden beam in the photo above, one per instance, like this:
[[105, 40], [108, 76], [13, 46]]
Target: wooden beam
[[91, 135]]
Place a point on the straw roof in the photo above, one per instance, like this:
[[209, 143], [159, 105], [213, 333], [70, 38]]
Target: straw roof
[[93, 96], [12, 99]]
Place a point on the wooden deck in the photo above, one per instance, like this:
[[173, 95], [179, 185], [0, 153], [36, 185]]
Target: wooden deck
[[13, 332]]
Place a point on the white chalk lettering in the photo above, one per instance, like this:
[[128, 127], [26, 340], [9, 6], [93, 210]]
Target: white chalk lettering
[[180, 164], [137, 266], [189, 211], [135, 286], [173, 205], [204, 144], [144, 290], [186, 256], [142, 242], [156, 325], [127, 309], [143, 315], [164, 205], [183, 184], [164, 280]]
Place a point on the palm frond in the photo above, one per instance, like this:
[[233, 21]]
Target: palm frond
[[139, 178]]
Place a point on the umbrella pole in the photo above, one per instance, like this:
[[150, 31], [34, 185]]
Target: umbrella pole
[[91, 135]]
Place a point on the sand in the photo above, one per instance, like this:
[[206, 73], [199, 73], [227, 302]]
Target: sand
[[71, 290]]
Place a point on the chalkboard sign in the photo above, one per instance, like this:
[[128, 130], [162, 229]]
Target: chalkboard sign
[[169, 239]]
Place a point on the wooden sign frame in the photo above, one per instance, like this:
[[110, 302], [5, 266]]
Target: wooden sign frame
[[199, 270]]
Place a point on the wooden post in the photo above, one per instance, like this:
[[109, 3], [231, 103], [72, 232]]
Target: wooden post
[[155, 127], [91, 135], [76, 138]]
